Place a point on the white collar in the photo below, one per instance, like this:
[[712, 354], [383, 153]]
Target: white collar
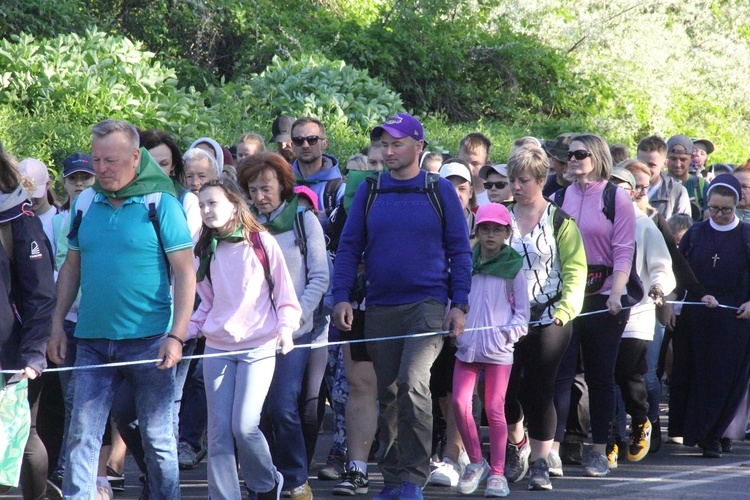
[[728, 227]]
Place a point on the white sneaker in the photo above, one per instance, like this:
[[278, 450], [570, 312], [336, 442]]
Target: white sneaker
[[473, 477], [447, 473], [497, 486], [555, 464]]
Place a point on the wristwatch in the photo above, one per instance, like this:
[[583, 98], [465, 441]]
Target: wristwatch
[[464, 308]]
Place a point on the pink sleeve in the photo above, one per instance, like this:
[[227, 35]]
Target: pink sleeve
[[198, 319], [288, 310], [623, 232], [521, 312]]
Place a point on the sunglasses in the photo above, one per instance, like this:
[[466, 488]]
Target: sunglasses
[[496, 185], [580, 154], [312, 140]]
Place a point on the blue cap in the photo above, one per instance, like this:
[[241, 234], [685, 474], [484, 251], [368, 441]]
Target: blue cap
[[78, 162]]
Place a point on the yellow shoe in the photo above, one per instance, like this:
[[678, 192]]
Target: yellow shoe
[[302, 492], [612, 451], [640, 441]]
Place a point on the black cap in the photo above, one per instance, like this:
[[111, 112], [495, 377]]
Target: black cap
[[281, 130]]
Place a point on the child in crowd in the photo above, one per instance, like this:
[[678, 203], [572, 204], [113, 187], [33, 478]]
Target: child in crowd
[[498, 299], [239, 263]]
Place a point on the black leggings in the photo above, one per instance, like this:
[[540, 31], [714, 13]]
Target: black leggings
[[531, 388], [598, 337], [34, 465]]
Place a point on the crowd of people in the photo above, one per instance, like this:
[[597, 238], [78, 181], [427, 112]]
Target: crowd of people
[[549, 298]]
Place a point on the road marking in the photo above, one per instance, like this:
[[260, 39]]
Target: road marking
[[676, 475], [694, 482]]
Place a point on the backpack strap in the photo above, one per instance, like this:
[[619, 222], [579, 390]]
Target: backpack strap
[[152, 201], [373, 188], [608, 200], [260, 252], [431, 189], [330, 195], [83, 202], [300, 236], [558, 198]]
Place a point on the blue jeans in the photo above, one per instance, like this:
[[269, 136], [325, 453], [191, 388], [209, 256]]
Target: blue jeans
[[66, 383], [236, 387], [653, 384], [193, 406], [282, 424], [153, 390]]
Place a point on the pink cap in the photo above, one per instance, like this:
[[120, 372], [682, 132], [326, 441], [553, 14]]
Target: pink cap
[[493, 212], [309, 194]]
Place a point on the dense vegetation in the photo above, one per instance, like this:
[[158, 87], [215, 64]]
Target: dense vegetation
[[508, 68]]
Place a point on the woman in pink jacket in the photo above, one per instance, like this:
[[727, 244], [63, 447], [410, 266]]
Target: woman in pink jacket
[[606, 218], [247, 303]]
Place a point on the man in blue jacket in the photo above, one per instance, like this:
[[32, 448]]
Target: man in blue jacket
[[409, 241]]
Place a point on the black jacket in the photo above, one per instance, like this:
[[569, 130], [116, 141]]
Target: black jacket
[[28, 291]]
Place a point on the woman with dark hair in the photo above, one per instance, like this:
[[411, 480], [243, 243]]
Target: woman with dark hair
[[606, 218], [163, 148], [710, 375], [268, 181], [27, 299]]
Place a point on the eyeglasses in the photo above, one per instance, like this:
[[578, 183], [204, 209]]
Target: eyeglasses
[[640, 189], [722, 210], [580, 154], [312, 140], [493, 229], [496, 185]]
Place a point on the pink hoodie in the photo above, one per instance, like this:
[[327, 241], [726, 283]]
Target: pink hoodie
[[606, 244], [235, 311]]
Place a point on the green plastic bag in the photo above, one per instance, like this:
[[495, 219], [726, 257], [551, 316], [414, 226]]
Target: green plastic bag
[[15, 422]]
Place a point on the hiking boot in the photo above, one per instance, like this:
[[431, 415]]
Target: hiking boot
[[497, 486], [613, 455], [655, 436], [446, 473], [473, 476], [333, 469], [117, 481], [595, 464], [517, 461], [355, 482], [555, 464], [390, 492], [301, 492], [571, 450], [188, 457], [275, 492], [726, 445], [539, 476], [712, 448], [640, 441], [411, 491]]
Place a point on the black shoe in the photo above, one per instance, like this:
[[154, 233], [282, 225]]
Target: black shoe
[[355, 482], [54, 485], [116, 481], [711, 448], [655, 436], [571, 450], [726, 445]]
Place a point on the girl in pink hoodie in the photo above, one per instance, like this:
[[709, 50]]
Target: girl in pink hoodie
[[247, 303], [499, 310]]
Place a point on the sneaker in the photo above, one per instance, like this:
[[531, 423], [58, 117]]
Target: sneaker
[[117, 481], [497, 486], [613, 454], [54, 485], [539, 476], [355, 482], [726, 445], [301, 492], [275, 492], [411, 491], [390, 492], [595, 464], [333, 469], [187, 457], [712, 448], [555, 464], [640, 441], [674, 440], [655, 436], [446, 473], [473, 476], [517, 461], [571, 450]]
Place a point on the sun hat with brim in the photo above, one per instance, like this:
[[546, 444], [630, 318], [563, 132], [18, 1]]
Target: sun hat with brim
[[624, 175]]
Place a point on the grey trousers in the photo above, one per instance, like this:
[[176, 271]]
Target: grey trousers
[[403, 367]]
